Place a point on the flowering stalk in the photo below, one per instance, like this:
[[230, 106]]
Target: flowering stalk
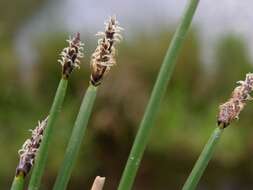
[[28, 154], [70, 59], [101, 62], [228, 112]]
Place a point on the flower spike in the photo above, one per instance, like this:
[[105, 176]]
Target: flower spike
[[71, 55], [30, 148], [104, 56], [231, 109]]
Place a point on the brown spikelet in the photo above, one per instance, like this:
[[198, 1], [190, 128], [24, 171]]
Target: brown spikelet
[[71, 55], [231, 109], [30, 148], [104, 56]]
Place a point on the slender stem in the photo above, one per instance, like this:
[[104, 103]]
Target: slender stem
[[203, 160], [156, 96], [76, 139], [18, 182], [41, 159]]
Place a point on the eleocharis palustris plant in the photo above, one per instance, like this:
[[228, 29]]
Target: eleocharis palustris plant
[[158, 92], [101, 62], [228, 112], [70, 59], [27, 155]]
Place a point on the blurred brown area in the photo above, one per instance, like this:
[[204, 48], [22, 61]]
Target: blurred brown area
[[185, 121]]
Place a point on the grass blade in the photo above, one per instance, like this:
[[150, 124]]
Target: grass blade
[[156, 96], [76, 139], [203, 160], [18, 182], [41, 159]]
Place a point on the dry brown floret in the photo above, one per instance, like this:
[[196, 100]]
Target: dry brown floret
[[71, 55], [30, 148], [104, 56], [231, 109]]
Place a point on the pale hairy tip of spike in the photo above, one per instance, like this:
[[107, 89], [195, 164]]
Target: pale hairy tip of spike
[[98, 183], [231, 109], [30, 148], [103, 57], [71, 55]]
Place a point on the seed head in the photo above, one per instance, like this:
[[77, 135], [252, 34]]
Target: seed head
[[104, 56], [231, 109], [30, 148], [71, 55]]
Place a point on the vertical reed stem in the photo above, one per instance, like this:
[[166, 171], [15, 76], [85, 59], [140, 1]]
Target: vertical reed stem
[[203, 160], [41, 159], [76, 139], [156, 96]]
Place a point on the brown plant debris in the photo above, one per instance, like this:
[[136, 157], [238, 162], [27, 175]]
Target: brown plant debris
[[104, 56], [98, 183], [71, 55], [30, 148], [231, 109]]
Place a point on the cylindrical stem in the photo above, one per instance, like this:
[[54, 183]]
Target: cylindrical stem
[[156, 96], [18, 182], [203, 160], [76, 139], [40, 161]]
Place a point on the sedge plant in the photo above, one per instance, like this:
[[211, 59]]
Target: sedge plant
[[228, 112], [70, 59], [101, 62], [158, 92]]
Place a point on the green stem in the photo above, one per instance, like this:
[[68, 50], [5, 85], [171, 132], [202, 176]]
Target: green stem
[[41, 158], [18, 182], [203, 160], [156, 96], [76, 139]]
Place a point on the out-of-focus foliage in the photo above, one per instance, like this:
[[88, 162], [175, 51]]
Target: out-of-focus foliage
[[187, 116], [14, 13]]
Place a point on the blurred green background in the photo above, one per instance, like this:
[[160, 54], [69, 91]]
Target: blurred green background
[[186, 119]]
